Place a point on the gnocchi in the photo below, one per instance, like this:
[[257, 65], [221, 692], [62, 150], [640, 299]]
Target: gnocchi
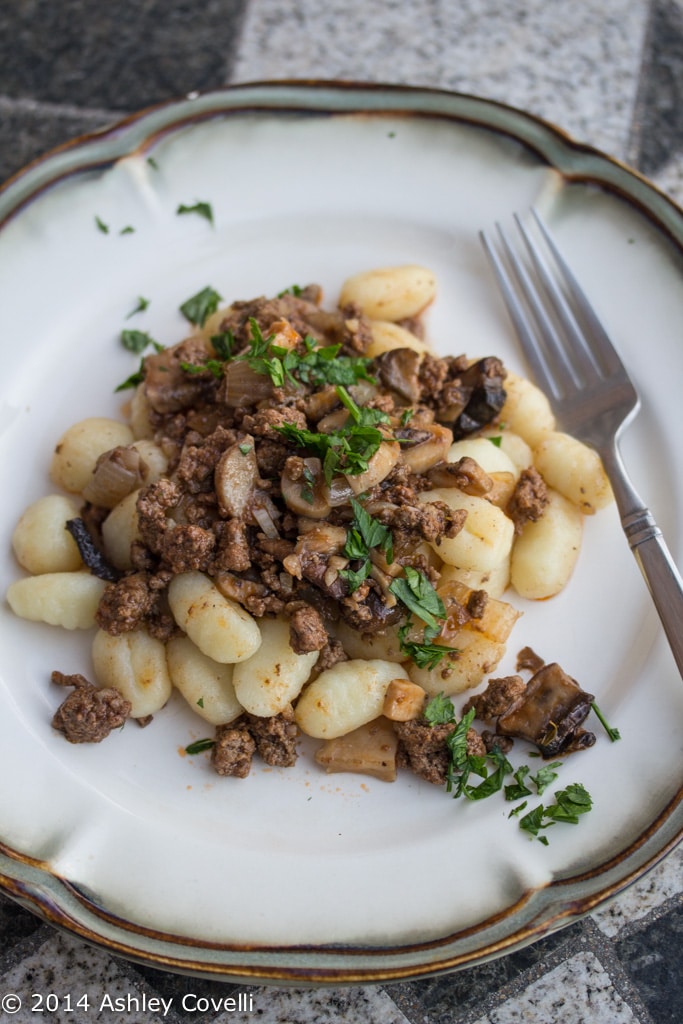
[[307, 550]]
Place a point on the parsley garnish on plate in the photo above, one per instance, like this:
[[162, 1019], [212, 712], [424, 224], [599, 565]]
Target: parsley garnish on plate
[[493, 768], [137, 341], [142, 305], [203, 209], [199, 746], [101, 226], [198, 308]]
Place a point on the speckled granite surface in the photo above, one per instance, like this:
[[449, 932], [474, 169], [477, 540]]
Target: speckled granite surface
[[608, 71]]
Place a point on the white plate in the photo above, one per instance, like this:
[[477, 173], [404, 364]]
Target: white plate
[[290, 874]]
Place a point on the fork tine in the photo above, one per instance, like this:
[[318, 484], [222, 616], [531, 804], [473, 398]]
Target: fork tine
[[585, 360], [610, 358], [532, 352]]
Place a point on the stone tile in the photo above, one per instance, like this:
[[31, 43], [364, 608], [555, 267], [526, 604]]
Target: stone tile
[[29, 129], [577, 991], [122, 55], [434, 998], [658, 886], [318, 1006], [658, 117], [579, 72], [85, 984], [15, 924], [652, 959]]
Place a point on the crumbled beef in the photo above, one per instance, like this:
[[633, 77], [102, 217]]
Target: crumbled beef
[[125, 604], [153, 504], [187, 547], [477, 601], [264, 422], [199, 456], [233, 550], [429, 520], [88, 714], [422, 748], [233, 749], [528, 659], [168, 387], [275, 738], [357, 334], [529, 499], [332, 653], [306, 628], [498, 696]]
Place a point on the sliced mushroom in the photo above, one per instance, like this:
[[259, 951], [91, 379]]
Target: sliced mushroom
[[424, 447], [379, 467], [304, 489], [398, 370], [236, 477], [550, 713]]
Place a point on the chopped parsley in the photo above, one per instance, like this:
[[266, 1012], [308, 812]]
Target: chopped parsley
[[128, 230], [317, 366], [142, 305], [419, 596], [569, 805], [198, 308], [346, 450], [223, 344], [613, 733], [199, 746], [294, 289], [214, 366], [364, 534], [101, 226], [493, 768], [137, 341], [134, 379], [203, 209]]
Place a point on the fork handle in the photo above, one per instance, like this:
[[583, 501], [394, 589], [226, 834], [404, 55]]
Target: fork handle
[[651, 553]]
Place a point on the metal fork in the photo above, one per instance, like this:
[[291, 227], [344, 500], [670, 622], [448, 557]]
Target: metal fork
[[574, 361]]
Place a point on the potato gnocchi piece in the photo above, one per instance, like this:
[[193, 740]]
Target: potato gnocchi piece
[[41, 541], [81, 445], [268, 681], [477, 656], [544, 555], [387, 336], [67, 599], [134, 664], [573, 469], [205, 684], [526, 411], [345, 697], [384, 646], [390, 293], [484, 542], [220, 627]]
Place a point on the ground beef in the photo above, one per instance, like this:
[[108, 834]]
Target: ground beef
[[199, 456], [422, 748], [529, 499], [153, 504], [124, 605], [425, 520], [187, 547], [528, 659], [88, 714], [332, 653], [306, 628], [275, 738], [498, 696], [233, 749], [233, 550], [477, 601], [264, 422]]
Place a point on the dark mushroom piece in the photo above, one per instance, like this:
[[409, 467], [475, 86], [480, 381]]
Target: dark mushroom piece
[[483, 381], [398, 369], [550, 713]]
